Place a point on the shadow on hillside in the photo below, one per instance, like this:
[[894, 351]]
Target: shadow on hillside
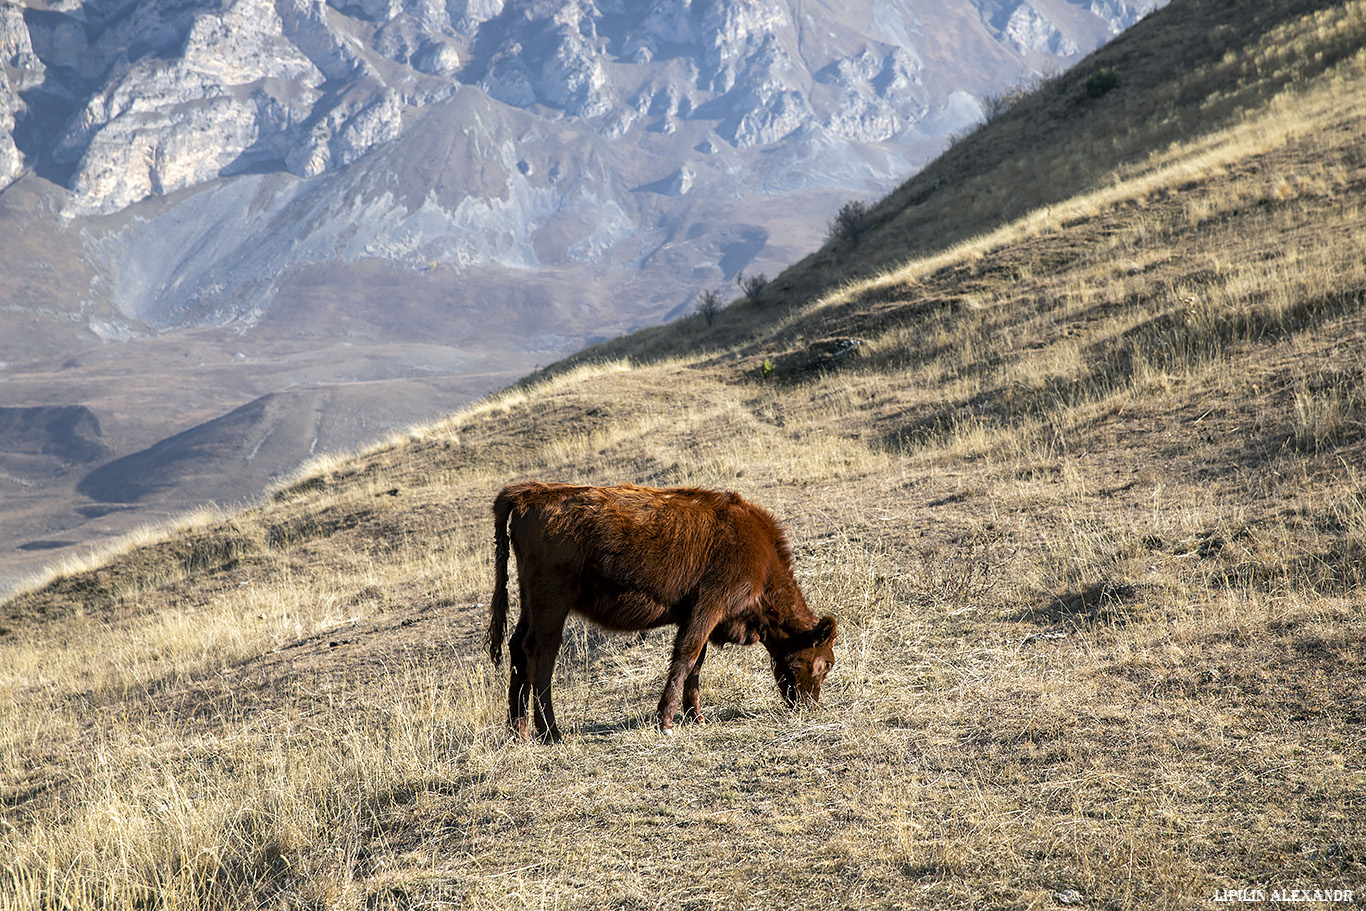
[[202, 450], [1105, 603], [29, 796]]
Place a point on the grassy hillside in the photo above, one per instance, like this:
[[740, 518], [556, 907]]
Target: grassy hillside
[[1071, 441]]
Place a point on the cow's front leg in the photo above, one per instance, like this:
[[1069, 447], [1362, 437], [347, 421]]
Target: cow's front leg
[[692, 696], [687, 659]]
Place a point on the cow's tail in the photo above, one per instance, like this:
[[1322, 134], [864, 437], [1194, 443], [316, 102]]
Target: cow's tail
[[498, 604]]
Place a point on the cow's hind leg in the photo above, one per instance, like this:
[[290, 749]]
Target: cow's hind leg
[[543, 648], [519, 683]]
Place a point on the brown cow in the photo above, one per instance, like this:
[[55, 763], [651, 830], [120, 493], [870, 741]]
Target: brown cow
[[634, 558]]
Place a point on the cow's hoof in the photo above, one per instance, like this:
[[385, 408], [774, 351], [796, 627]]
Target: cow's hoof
[[667, 732]]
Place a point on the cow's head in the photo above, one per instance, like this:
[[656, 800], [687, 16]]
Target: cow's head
[[802, 664]]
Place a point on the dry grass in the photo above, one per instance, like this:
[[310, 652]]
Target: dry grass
[[1086, 498]]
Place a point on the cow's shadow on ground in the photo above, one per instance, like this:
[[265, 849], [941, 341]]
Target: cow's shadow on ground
[[716, 715]]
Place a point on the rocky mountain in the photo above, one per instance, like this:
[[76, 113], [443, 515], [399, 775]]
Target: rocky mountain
[[124, 101], [306, 193]]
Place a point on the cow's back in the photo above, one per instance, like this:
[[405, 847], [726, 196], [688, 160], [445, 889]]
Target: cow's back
[[664, 543]]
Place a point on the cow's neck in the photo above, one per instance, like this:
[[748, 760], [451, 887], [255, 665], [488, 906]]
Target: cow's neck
[[786, 626]]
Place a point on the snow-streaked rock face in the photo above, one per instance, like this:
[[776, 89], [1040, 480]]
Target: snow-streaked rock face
[[11, 162], [165, 123], [1120, 14], [1054, 28], [1030, 30], [564, 125], [20, 69]]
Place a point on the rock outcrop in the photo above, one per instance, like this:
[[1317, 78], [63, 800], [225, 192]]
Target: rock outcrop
[[236, 88]]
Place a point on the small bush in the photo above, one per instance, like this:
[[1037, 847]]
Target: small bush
[[1101, 81], [993, 106], [848, 222], [709, 304], [752, 286]]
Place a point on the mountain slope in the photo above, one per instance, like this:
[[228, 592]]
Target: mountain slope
[[1083, 491]]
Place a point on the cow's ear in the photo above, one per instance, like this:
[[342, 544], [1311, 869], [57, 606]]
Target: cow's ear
[[825, 631]]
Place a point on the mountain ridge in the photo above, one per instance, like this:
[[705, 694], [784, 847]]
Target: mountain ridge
[[743, 73]]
